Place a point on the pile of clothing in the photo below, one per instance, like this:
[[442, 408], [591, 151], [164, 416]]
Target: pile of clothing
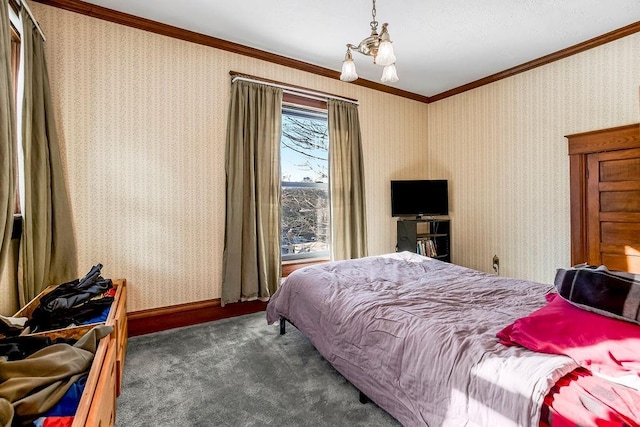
[[42, 379], [79, 302]]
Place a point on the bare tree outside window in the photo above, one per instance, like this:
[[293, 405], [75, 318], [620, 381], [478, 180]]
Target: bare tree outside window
[[305, 199]]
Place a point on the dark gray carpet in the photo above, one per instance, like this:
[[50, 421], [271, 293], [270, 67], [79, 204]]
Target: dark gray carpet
[[236, 372]]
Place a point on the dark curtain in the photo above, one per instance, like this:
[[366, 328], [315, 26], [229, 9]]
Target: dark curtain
[[346, 182], [47, 250], [252, 253], [7, 136]]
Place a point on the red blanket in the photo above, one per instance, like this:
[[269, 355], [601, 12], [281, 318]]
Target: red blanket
[[581, 399], [601, 344], [597, 343]]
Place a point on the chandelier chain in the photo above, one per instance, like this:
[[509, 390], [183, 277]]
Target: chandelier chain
[[374, 23]]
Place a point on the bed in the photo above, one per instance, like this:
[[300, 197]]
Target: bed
[[418, 337]]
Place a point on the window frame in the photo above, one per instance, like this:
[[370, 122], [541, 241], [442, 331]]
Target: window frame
[[15, 76], [18, 87], [291, 261]]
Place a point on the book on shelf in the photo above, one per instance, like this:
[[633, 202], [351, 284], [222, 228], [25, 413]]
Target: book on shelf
[[426, 248], [432, 248]]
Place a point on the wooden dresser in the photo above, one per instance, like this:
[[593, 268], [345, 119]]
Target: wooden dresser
[[97, 406]]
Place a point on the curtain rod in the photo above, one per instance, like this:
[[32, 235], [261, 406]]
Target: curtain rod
[[25, 6], [296, 90]]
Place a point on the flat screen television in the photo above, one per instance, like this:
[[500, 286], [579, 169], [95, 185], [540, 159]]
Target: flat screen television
[[419, 197]]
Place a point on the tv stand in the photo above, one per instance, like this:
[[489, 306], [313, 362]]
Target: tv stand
[[414, 235]]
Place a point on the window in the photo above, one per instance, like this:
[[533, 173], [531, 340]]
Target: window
[[305, 176], [18, 87], [15, 73]]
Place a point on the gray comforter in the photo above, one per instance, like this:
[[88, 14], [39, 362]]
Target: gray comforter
[[417, 336]]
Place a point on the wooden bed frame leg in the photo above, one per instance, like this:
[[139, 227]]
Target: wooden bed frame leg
[[282, 326], [363, 398]]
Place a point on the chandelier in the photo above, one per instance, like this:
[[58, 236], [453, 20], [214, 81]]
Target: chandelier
[[378, 46]]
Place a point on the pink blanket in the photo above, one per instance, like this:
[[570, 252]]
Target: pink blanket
[[601, 344], [604, 392], [582, 399]]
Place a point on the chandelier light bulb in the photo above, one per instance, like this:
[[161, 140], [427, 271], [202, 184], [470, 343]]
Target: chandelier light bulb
[[385, 54], [385, 50], [348, 68], [389, 74]]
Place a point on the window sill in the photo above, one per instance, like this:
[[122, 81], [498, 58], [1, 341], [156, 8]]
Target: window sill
[[289, 267]]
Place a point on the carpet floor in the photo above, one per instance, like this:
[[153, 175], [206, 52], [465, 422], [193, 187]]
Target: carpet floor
[[236, 372]]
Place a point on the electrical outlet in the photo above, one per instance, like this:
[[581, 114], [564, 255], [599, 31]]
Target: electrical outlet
[[496, 264]]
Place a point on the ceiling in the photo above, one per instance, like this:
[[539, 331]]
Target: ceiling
[[439, 45]]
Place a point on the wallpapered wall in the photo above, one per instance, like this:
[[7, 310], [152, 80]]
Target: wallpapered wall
[[503, 148], [142, 119]]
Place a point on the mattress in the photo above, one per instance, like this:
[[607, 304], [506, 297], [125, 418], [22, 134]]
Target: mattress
[[418, 337]]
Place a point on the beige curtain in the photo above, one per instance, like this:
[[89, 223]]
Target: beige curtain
[[251, 262], [7, 136], [346, 182], [47, 251]]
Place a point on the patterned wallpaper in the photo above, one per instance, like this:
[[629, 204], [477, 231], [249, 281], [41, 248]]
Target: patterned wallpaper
[[142, 119], [503, 148]]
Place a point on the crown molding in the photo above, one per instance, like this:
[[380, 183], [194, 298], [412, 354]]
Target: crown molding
[[552, 57], [133, 21]]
